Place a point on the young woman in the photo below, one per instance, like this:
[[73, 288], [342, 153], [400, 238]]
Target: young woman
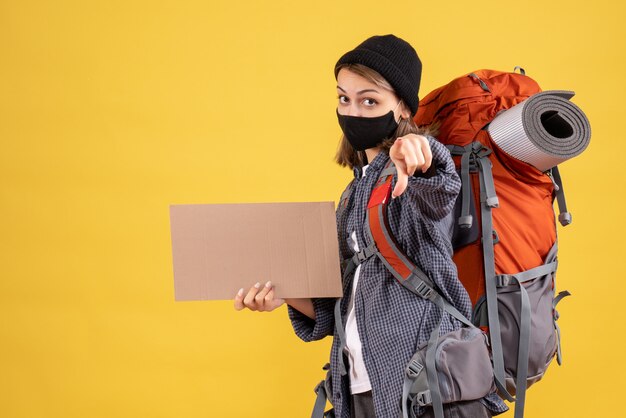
[[377, 87]]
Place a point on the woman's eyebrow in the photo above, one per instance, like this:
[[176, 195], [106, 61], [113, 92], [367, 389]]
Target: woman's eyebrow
[[362, 91]]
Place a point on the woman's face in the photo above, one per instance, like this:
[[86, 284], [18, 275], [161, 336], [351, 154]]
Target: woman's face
[[360, 97]]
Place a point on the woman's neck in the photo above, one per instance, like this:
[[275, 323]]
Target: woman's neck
[[371, 153]]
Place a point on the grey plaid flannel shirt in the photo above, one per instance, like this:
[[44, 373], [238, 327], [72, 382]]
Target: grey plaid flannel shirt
[[391, 320]]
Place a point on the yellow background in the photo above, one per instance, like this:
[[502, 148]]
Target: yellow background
[[111, 111]]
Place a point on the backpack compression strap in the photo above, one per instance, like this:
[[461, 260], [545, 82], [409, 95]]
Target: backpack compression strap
[[565, 218], [411, 277], [470, 156]]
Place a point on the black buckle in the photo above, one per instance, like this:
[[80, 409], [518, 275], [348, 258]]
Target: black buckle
[[414, 368], [365, 253], [424, 290], [424, 398], [503, 280]]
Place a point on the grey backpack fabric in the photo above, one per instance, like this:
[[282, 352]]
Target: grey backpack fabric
[[463, 366]]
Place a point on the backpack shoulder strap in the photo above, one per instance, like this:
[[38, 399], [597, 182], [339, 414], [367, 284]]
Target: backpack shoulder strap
[[344, 200], [408, 274]]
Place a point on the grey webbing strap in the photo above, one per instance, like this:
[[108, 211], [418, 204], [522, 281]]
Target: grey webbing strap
[[344, 200], [560, 296], [557, 299], [456, 150], [503, 280], [341, 333], [484, 164], [564, 293], [483, 85], [356, 259], [455, 313], [472, 152], [551, 256], [406, 387], [490, 290], [565, 218], [465, 220], [346, 193], [419, 283], [431, 368], [345, 263], [559, 354], [349, 269], [388, 171], [522, 353], [521, 70], [320, 401]]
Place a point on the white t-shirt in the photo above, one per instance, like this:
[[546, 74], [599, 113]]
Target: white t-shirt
[[359, 379]]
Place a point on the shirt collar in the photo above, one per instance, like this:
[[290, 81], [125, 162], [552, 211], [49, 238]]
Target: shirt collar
[[376, 165]]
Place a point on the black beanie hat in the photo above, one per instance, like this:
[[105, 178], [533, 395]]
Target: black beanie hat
[[394, 59]]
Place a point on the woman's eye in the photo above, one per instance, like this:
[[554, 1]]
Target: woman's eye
[[343, 99], [369, 102]]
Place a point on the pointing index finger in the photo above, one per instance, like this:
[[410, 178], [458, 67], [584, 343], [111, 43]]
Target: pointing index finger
[[428, 156], [403, 180]]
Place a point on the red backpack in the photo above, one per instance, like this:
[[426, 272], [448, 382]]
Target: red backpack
[[505, 236]]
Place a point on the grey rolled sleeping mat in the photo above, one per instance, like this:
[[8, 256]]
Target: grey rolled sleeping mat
[[543, 130]]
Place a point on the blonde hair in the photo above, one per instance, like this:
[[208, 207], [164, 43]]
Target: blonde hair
[[346, 154]]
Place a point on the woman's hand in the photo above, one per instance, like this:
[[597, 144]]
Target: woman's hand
[[258, 299], [409, 153]]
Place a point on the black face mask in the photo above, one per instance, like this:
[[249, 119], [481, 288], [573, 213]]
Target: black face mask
[[364, 133]]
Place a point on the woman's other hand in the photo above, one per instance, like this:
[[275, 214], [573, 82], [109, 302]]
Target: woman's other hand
[[258, 299], [409, 153]]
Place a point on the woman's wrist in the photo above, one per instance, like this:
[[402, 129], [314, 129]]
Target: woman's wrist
[[302, 305]]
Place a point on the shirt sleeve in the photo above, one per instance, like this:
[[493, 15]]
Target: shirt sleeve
[[311, 330], [436, 194]]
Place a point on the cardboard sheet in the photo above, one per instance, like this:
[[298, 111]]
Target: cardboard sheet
[[218, 249]]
